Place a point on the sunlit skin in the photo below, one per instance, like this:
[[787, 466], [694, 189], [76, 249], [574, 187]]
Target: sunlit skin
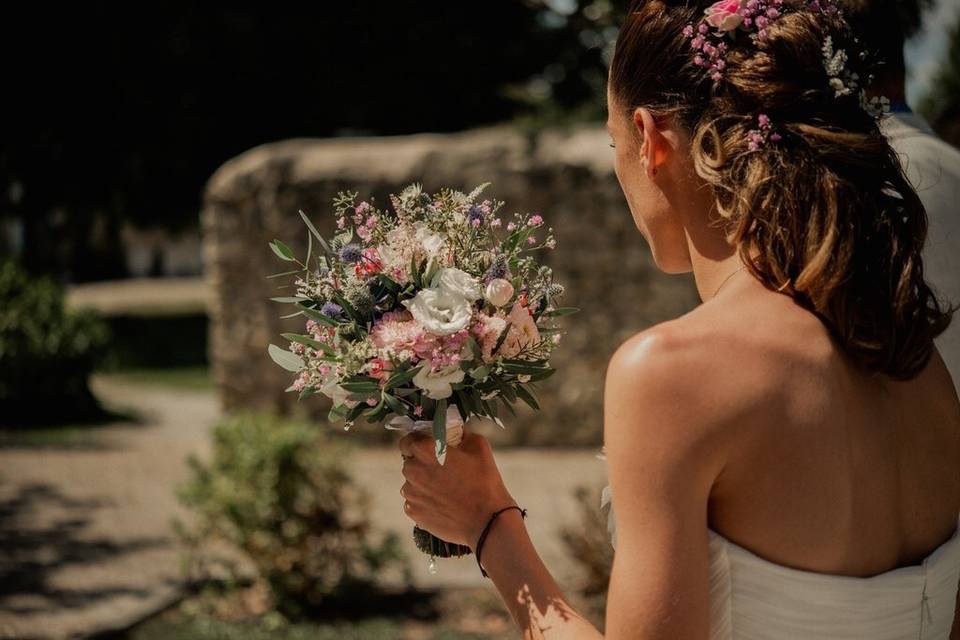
[[742, 416]]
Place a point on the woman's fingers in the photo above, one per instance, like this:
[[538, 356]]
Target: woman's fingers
[[416, 445]]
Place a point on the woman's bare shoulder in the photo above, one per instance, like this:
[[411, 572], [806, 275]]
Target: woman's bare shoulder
[[719, 367]]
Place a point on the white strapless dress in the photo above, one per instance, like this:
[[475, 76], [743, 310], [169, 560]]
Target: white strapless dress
[[755, 599]]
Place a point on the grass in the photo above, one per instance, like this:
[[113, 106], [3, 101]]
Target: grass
[[185, 378], [65, 437]]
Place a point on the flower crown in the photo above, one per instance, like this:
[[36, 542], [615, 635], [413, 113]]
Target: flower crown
[[712, 37]]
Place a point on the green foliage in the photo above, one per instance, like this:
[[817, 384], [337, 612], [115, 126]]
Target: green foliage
[[46, 352], [279, 493]]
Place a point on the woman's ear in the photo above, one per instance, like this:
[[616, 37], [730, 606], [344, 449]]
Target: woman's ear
[[655, 146]]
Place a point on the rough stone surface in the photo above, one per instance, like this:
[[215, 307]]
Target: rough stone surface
[[566, 176]]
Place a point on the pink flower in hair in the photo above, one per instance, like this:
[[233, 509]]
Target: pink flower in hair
[[724, 15]]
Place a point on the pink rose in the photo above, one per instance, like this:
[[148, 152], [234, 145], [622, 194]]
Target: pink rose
[[724, 15]]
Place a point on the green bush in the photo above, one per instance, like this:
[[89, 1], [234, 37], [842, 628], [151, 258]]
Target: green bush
[[279, 493], [46, 352]]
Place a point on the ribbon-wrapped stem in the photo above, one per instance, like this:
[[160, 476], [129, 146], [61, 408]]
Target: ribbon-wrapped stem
[[447, 430]]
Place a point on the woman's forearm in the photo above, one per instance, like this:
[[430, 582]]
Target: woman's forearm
[[535, 601]]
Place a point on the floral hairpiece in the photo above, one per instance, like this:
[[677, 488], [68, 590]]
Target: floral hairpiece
[[711, 39], [764, 132], [845, 82]]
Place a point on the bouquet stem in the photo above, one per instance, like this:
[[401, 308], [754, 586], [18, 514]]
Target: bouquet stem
[[437, 548]]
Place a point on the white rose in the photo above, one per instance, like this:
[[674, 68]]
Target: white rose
[[431, 241], [437, 384], [459, 283], [499, 292], [439, 311]]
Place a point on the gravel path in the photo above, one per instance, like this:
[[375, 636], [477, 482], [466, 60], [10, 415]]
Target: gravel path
[[85, 536]]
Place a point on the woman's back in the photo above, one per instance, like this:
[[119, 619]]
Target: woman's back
[[831, 469]]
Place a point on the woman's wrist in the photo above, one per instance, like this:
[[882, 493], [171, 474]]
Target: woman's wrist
[[504, 532]]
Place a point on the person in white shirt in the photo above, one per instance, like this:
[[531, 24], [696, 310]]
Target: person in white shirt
[[931, 164]]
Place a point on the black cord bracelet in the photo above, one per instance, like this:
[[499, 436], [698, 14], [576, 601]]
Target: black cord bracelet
[[486, 530]]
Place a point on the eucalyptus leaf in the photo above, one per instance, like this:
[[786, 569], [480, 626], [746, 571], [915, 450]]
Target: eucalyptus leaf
[[290, 299], [361, 387], [480, 373], [561, 311], [283, 251], [314, 232], [286, 359], [309, 342], [527, 397], [440, 430], [395, 405], [402, 377], [502, 337], [285, 273]]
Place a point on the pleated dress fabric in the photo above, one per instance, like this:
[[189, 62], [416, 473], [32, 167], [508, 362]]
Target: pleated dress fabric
[[755, 599]]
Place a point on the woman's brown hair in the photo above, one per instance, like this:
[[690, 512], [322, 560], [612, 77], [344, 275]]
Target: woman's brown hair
[[825, 213]]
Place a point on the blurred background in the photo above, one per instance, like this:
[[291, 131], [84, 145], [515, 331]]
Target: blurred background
[[155, 481]]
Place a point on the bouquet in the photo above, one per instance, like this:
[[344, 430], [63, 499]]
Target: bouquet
[[423, 316]]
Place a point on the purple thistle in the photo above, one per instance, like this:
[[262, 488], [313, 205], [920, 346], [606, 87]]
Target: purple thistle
[[351, 253], [498, 268], [331, 310], [475, 216]]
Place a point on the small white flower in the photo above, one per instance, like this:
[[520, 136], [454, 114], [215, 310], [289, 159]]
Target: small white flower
[[437, 384], [439, 311], [430, 241], [458, 283], [499, 292]]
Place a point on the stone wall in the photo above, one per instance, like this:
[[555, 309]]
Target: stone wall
[[566, 176]]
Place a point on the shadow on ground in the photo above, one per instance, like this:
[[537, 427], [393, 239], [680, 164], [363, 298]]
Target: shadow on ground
[[31, 552]]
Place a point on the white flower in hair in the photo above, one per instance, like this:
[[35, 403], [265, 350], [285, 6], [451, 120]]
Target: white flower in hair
[[877, 106], [842, 81]]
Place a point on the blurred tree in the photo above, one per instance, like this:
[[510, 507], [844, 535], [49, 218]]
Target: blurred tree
[[119, 112]]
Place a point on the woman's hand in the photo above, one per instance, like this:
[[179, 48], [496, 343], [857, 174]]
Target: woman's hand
[[453, 501]]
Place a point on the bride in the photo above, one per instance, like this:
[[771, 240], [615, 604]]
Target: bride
[[785, 459]]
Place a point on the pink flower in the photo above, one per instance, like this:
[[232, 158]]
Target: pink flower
[[511, 226], [532, 240], [535, 221], [724, 15], [379, 368], [487, 331], [369, 265], [397, 331], [301, 382], [523, 329]]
